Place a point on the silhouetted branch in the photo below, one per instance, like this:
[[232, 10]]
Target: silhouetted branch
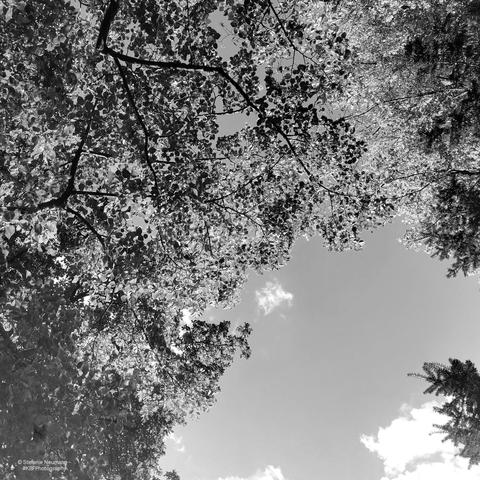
[[177, 65], [107, 21], [87, 224], [131, 100], [62, 199]]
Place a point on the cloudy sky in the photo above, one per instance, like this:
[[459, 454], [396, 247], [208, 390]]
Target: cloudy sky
[[325, 394]]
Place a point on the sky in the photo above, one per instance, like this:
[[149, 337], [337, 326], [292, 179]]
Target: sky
[[325, 394]]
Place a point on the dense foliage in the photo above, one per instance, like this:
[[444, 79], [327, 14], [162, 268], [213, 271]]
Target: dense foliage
[[129, 204], [414, 97], [127, 208]]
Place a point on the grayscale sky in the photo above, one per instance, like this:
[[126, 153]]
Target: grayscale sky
[[334, 336]]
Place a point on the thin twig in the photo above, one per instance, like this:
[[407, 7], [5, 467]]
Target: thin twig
[[95, 193], [139, 118], [62, 199], [87, 224]]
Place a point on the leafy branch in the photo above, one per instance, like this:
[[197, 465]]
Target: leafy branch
[[177, 65], [70, 188], [140, 120], [87, 224]]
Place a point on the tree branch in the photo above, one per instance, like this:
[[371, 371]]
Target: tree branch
[[87, 224], [421, 94], [70, 188], [223, 112], [177, 65], [289, 40], [99, 154], [463, 172], [95, 193], [238, 212], [107, 21], [131, 100]]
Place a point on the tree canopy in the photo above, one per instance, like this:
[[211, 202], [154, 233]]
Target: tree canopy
[[414, 98], [129, 204], [127, 209], [459, 383]]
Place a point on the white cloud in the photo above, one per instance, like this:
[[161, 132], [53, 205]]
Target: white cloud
[[271, 296], [270, 473], [177, 442], [410, 451]]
